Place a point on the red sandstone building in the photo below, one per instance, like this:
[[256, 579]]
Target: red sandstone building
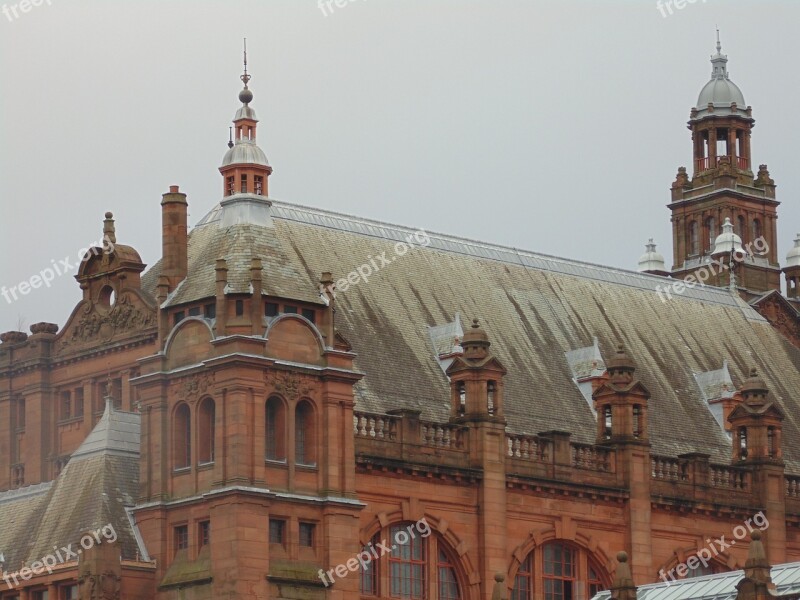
[[251, 412]]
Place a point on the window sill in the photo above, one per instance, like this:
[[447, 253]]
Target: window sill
[[274, 462], [205, 466], [305, 467], [181, 470]]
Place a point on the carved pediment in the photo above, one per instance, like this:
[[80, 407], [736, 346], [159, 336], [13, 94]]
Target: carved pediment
[[92, 323]]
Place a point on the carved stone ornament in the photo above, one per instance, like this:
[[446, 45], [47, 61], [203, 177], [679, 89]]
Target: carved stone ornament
[[95, 325], [289, 384], [99, 587], [190, 388]]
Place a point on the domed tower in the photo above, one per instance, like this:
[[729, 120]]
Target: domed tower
[[651, 261], [792, 271], [723, 187], [245, 169]]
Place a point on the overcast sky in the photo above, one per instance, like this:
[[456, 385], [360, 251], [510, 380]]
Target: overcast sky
[[555, 126]]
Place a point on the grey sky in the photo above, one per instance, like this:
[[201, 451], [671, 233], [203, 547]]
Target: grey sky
[[555, 126]]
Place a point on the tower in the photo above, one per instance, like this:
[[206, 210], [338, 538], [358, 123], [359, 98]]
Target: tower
[[245, 169], [723, 190]]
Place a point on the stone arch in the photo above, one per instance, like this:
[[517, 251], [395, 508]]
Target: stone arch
[[680, 555], [466, 566], [189, 342], [293, 337], [588, 543]]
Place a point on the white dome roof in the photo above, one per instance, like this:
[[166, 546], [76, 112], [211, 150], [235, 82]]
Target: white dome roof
[[793, 256], [247, 152], [720, 92], [728, 241], [651, 260]]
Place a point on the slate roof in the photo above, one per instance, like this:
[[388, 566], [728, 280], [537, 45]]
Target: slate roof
[[535, 308], [786, 578], [97, 485]]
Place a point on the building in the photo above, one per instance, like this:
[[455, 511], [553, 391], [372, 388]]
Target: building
[[294, 403]]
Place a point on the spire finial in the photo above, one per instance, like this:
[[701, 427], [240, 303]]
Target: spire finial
[[230, 137], [245, 77], [719, 44]]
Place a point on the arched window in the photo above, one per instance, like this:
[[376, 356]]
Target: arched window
[[711, 225], [740, 227], [275, 430], [304, 438], [558, 571], [756, 230], [448, 582], [694, 238], [419, 566], [206, 431], [407, 566], [182, 436]]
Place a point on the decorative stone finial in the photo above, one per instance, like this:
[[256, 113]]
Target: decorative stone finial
[[499, 592]]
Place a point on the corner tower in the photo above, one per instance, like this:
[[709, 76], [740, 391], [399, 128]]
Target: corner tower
[[723, 187]]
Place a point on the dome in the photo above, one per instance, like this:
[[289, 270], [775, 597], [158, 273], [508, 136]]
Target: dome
[[728, 241], [247, 152], [793, 257], [720, 92], [651, 260]]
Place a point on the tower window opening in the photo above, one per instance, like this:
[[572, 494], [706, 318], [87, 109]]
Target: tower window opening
[[490, 391], [230, 186], [742, 443], [694, 238], [711, 225], [259, 185], [607, 422], [756, 229], [244, 184], [740, 228], [771, 442], [637, 421], [722, 143], [239, 308], [462, 398]]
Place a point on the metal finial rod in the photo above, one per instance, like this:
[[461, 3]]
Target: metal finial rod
[[230, 137], [245, 76], [719, 44]]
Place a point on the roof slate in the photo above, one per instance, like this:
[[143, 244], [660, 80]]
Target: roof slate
[[535, 308]]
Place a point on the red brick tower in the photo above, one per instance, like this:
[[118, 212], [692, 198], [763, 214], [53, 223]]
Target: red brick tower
[[721, 189]]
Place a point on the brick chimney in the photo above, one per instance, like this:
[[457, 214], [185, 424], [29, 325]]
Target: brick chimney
[[174, 236]]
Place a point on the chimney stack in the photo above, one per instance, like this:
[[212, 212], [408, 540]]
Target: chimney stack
[[174, 236]]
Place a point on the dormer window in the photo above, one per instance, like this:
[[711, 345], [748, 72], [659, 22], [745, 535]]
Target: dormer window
[[490, 391]]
